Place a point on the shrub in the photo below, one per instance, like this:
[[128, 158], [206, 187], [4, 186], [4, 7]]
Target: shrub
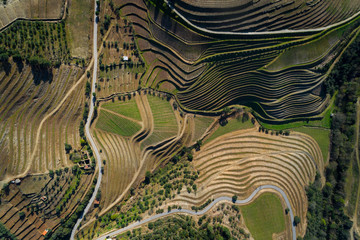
[[68, 147], [22, 215], [39, 62], [296, 220]]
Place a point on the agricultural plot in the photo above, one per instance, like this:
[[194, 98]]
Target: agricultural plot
[[238, 162], [33, 39], [31, 142], [207, 72], [321, 136], [127, 132], [165, 123], [117, 79], [232, 125], [307, 53], [116, 124], [24, 9], [265, 216], [79, 28], [250, 16], [120, 65], [40, 202], [201, 125], [127, 108]]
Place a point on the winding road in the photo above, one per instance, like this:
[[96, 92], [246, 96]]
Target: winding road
[[87, 128], [284, 31], [245, 201], [97, 154]]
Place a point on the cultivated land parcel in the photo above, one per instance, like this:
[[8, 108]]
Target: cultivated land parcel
[[208, 119]]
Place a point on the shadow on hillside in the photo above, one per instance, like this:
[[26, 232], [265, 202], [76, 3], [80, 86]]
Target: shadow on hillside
[[6, 66], [42, 75], [20, 65]]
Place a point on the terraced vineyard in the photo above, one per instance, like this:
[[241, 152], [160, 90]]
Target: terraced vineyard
[[126, 131], [207, 72], [31, 143], [182, 107], [240, 161], [251, 16]]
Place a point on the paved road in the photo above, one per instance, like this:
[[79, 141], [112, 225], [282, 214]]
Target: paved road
[[87, 127], [261, 33], [152, 218]]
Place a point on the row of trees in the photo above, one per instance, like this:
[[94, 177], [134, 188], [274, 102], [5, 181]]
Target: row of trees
[[326, 218], [39, 39], [64, 231]]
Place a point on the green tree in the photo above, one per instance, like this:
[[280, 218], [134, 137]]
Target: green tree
[[22, 215], [87, 89], [147, 177], [4, 57], [226, 110], [68, 147], [296, 220], [51, 174], [234, 198]]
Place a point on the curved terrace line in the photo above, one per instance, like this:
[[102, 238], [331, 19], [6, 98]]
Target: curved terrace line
[[224, 198], [87, 127], [261, 33]]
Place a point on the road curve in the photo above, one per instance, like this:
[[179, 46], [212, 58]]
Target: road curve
[[152, 218], [264, 32], [87, 128]]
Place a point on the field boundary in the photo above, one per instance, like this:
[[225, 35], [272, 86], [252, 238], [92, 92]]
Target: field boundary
[[38, 19]]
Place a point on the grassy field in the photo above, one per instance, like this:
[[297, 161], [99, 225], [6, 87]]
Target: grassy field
[[128, 108], [79, 27], [231, 126], [264, 216], [321, 136], [115, 124]]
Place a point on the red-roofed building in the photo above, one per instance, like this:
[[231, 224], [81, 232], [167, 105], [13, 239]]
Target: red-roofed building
[[45, 232]]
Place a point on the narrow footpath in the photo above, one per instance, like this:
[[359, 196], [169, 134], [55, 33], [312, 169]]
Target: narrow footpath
[[87, 127]]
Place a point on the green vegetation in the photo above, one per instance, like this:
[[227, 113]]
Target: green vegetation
[[165, 124], [232, 125], [40, 42], [158, 187], [325, 122], [79, 27], [115, 124], [321, 136], [64, 231], [181, 227], [128, 108], [308, 52], [326, 217], [201, 124], [5, 233], [264, 216]]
